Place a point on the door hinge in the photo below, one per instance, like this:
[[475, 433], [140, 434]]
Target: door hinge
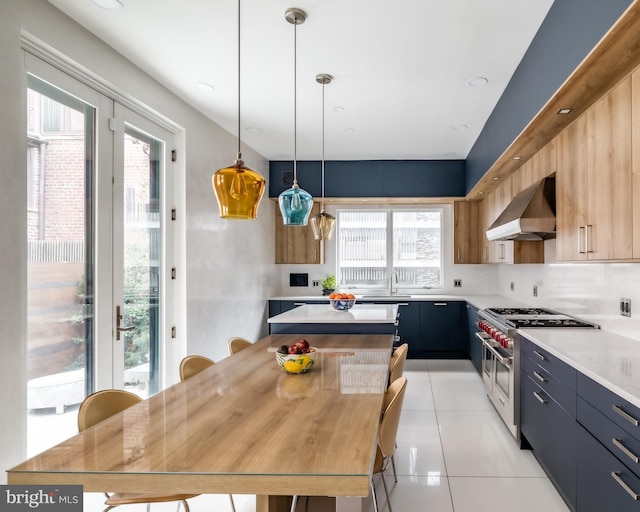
[[173, 214], [173, 332], [173, 273], [174, 155]]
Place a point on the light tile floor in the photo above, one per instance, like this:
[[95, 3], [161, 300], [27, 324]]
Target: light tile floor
[[454, 454]]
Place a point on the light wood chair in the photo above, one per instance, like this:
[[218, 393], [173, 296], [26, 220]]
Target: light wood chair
[[387, 433], [396, 370], [191, 365], [396, 363], [100, 406], [236, 344]]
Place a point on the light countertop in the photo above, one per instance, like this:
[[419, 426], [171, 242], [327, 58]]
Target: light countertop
[[325, 314], [607, 358]]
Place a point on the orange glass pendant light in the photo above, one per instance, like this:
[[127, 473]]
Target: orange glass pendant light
[[323, 223], [295, 203], [238, 188]]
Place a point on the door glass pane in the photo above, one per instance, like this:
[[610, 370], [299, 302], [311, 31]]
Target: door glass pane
[[60, 274], [142, 253]]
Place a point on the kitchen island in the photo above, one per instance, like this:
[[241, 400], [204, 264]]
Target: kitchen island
[[323, 319]]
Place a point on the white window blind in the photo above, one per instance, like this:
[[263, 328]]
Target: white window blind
[[374, 243]]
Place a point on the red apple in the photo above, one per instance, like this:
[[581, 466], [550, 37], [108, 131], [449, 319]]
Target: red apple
[[302, 343], [294, 349]]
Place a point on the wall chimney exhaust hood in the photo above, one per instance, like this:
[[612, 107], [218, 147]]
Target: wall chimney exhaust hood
[[529, 216]]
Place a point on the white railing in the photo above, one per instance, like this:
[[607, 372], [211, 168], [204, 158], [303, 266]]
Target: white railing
[[55, 251]]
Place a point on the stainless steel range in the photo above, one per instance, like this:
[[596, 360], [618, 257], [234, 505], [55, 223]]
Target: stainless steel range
[[501, 353]]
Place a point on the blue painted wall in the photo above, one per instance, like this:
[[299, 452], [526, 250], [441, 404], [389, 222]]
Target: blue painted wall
[[569, 32], [372, 178]]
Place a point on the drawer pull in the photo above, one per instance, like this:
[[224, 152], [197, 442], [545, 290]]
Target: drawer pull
[[540, 356], [440, 303], [625, 415], [630, 492], [299, 303], [618, 444], [539, 398], [539, 377]]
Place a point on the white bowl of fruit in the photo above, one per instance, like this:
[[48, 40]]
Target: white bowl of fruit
[[296, 358]]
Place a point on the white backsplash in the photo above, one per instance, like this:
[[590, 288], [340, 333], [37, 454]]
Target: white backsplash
[[588, 290]]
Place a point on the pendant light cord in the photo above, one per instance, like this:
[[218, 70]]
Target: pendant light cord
[[322, 202], [295, 103], [239, 152]]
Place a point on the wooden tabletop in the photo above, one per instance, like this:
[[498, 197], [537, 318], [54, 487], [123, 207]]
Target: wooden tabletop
[[242, 426]]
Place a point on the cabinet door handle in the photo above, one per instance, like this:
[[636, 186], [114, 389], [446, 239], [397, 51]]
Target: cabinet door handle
[[618, 444], [630, 491], [540, 356], [586, 238], [458, 254], [539, 398], [299, 303], [625, 415], [581, 231], [539, 377], [502, 251], [440, 303]]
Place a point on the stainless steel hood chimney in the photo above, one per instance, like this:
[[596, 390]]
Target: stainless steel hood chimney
[[529, 216]]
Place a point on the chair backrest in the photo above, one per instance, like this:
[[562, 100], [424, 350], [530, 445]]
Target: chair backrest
[[191, 365], [103, 404], [392, 407], [396, 364], [236, 344]]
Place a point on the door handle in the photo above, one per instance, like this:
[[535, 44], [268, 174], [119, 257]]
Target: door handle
[[119, 328]]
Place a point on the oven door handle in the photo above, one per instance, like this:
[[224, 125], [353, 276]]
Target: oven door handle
[[506, 361]]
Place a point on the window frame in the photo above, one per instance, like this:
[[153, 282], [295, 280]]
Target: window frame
[[389, 211]]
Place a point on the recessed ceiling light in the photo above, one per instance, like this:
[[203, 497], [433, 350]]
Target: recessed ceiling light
[[517, 157], [481, 193], [252, 129], [564, 110], [112, 5], [495, 178], [205, 87], [338, 109], [477, 81], [459, 127]]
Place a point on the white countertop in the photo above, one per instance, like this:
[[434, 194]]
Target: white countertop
[[325, 314], [609, 359]]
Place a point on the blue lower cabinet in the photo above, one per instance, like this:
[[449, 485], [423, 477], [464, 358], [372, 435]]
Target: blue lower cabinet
[[551, 432], [604, 484], [474, 343], [443, 331]]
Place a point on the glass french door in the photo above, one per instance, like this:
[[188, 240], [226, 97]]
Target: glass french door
[[97, 244]]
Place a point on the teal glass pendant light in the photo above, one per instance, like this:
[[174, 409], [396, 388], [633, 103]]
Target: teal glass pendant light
[[295, 203], [323, 223]]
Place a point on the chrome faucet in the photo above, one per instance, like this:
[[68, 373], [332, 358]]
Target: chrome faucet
[[393, 274]]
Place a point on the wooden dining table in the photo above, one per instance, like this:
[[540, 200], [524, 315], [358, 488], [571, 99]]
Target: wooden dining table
[[242, 426]]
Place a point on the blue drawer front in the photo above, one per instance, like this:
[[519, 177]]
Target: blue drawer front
[[550, 363], [618, 410], [558, 390]]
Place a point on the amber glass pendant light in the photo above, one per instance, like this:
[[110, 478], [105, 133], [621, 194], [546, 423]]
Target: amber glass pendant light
[[238, 188], [295, 203], [323, 223]]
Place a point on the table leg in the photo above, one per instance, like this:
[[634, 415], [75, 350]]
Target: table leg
[[265, 503]]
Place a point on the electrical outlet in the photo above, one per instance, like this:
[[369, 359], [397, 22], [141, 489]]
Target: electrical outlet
[[535, 290], [625, 307], [513, 285], [457, 283], [316, 283]]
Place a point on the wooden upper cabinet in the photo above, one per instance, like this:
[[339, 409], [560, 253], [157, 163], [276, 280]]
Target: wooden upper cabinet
[[594, 200], [295, 244], [635, 159], [571, 192], [609, 215], [467, 226]]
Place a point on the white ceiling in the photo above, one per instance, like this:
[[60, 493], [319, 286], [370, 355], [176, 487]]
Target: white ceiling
[[400, 68]]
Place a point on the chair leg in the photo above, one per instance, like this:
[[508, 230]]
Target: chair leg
[[294, 502], [373, 495], [384, 484], [393, 465], [186, 505], [233, 505]]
